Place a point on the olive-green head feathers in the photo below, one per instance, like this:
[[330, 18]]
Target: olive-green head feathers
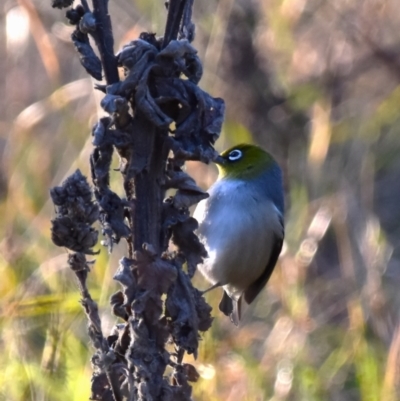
[[244, 161]]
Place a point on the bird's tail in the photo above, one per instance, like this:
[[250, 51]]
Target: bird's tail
[[232, 308]]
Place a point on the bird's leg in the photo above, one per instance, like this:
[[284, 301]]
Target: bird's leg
[[211, 288]]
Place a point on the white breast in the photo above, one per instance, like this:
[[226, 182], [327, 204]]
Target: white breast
[[237, 230]]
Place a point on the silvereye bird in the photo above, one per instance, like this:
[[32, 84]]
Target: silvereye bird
[[241, 225]]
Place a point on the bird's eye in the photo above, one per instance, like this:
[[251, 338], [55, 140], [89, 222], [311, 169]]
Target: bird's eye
[[235, 155]]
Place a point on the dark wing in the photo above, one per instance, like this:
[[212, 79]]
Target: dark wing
[[255, 288]]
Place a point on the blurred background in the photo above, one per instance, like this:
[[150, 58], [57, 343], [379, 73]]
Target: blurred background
[[315, 82]]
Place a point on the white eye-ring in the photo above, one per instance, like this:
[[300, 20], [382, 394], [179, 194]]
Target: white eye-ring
[[236, 154]]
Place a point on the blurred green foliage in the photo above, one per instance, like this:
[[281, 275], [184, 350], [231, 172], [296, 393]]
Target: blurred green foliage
[[315, 82]]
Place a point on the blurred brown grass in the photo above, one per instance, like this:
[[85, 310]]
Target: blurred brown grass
[[315, 82]]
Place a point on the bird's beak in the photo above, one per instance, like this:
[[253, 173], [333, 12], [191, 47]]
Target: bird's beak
[[219, 160]]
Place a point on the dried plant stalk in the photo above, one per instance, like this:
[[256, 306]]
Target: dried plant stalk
[[159, 88]]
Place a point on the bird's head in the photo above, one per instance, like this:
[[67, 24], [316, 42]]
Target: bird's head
[[244, 162]]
